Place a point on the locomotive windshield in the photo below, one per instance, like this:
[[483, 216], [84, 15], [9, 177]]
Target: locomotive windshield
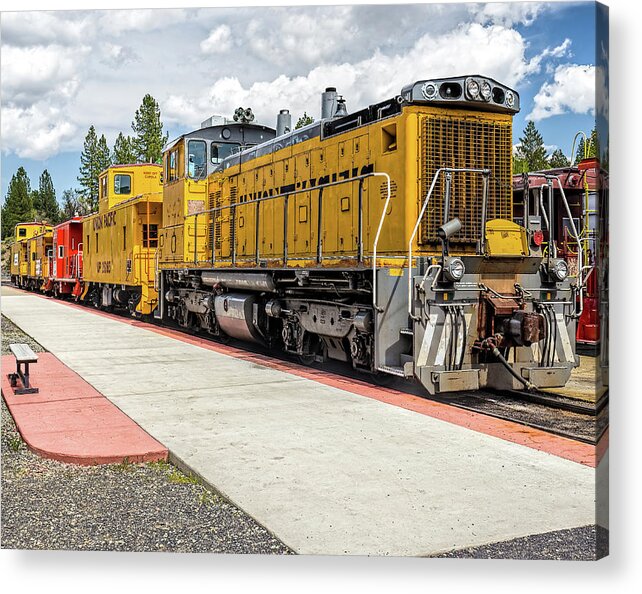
[[197, 150], [221, 150]]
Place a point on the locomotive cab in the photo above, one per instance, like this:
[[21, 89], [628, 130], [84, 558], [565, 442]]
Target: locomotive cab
[[187, 163]]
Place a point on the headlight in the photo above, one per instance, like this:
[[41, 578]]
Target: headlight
[[560, 270], [510, 99], [486, 91], [472, 88], [429, 90], [454, 269]]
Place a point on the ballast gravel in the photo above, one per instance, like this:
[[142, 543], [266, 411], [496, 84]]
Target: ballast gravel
[[586, 543]]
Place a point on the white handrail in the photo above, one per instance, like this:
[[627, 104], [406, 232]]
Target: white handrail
[[421, 216], [376, 241]]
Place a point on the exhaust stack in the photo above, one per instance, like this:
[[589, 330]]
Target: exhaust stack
[[329, 103], [283, 122]]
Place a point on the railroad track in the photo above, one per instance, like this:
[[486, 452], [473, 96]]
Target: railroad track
[[559, 415]]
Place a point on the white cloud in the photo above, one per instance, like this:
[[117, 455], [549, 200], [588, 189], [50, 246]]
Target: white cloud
[[37, 132], [303, 37], [218, 42], [44, 28], [118, 22], [31, 74], [571, 91], [495, 51], [507, 14]]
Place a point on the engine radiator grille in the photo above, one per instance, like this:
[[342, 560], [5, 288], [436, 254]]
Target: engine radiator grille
[[465, 142]]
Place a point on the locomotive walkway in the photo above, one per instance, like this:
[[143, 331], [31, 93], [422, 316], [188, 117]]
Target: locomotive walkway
[[328, 467]]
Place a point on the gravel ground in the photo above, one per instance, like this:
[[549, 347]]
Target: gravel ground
[[117, 507], [586, 543], [11, 333]]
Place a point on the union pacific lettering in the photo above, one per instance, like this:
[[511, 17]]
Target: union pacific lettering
[[106, 220], [309, 184]]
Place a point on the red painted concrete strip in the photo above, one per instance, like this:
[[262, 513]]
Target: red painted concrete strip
[[69, 421], [507, 430]]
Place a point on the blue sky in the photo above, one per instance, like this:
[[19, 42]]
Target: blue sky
[[63, 71]]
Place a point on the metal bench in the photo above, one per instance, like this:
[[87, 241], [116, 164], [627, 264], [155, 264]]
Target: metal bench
[[24, 355]]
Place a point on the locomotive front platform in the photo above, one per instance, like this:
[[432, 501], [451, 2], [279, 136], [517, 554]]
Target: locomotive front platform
[[324, 468]]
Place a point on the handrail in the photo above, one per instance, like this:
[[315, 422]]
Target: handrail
[[580, 282], [376, 241], [286, 195], [439, 171]]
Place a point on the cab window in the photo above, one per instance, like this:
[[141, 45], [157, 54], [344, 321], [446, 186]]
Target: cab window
[[122, 183], [197, 158], [222, 150], [22, 232], [172, 173]]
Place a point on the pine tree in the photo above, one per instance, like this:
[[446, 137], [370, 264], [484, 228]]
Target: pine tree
[[304, 120], [37, 204], [49, 209], [148, 138], [531, 150], [89, 171], [103, 156], [558, 159], [124, 152], [18, 205], [593, 148]]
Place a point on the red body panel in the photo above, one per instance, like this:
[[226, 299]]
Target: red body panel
[[66, 267]]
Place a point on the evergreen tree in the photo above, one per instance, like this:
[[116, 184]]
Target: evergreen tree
[[531, 151], [103, 154], [89, 170], [48, 209], [304, 120], [37, 204], [124, 152], [18, 205], [148, 140], [558, 159], [592, 149]]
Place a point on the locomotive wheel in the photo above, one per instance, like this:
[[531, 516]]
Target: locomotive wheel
[[307, 360]]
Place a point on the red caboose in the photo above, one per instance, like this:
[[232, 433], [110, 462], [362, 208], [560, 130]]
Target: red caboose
[[66, 265], [582, 185]]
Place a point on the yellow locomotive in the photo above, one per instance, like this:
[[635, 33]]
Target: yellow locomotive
[[382, 238], [120, 240], [31, 255]]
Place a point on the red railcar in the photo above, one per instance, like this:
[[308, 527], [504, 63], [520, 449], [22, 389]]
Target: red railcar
[[581, 185], [65, 269]]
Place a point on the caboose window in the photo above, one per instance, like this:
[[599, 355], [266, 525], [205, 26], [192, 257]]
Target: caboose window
[[122, 183], [22, 232], [150, 238], [221, 150], [197, 157], [103, 187], [61, 251]]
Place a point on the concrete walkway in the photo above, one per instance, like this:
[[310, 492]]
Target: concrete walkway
[[327, 471]]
